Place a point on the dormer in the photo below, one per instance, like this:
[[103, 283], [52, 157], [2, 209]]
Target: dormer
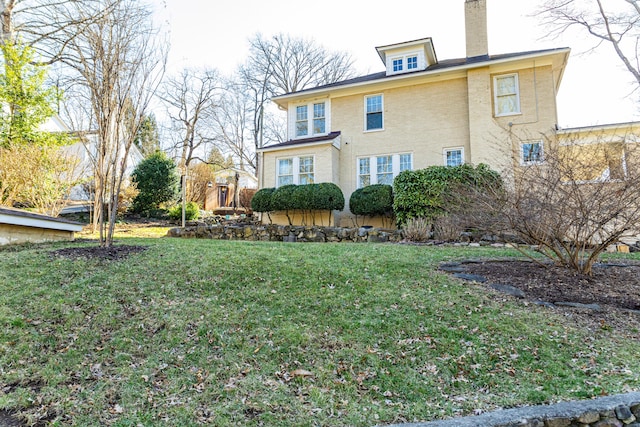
[[408, 57]]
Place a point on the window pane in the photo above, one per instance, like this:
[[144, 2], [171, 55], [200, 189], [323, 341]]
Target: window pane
[[374, 121], [384, 170], [302, 125], [531, 152], [412, 62], [374, 104], [397, 65], [285, 180], [454, 157], [406, 162], [285, 167], [306, 170], [364, 172], [506, 85]]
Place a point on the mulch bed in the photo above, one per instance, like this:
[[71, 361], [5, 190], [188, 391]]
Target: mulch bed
[[609, 298], [112, 253]]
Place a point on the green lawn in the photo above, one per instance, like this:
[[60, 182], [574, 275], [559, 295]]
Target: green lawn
[[239, 333]]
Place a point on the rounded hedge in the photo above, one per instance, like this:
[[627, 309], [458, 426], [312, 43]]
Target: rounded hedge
[[372, 200], [261, 201], [323, 196]]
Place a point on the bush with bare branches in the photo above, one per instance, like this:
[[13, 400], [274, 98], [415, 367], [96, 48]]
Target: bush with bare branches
[[583, 196]]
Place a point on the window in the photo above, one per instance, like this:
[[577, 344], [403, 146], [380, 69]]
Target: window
[[507, 96], [453, 156], [364, 172], [384, 170], [412, 63], [406, 162], [373, 112], [285, 172], [302, 124], [295, 170], [318, 118], [531, 152], [306, 170], [397, 65], [387, 167]]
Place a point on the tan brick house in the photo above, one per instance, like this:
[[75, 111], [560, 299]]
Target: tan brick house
[[420, 111]]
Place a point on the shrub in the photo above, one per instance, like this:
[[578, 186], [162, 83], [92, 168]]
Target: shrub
[[448, 228], [372, 200], [192, 212], [261, 201], [329, 197], [417, 230], [157, 181], [423, 193]]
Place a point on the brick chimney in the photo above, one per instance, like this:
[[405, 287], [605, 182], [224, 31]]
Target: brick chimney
[[475, 14]]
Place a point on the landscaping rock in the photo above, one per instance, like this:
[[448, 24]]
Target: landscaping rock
[[470, 277], [508, 289], [594, 307], [624, 414]]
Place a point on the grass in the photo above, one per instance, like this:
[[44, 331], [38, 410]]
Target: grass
[[239, 333]]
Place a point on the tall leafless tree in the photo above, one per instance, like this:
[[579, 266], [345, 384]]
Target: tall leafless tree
[[613, 22], [115, 64], [189, 98], [284, 64]]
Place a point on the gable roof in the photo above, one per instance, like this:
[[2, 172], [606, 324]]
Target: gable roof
[[447, 65]]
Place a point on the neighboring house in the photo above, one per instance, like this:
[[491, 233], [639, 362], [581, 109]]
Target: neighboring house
[[419, 112], [19, 226], [85, 150], [226, 193]]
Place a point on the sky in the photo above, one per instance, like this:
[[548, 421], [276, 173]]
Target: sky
[[214, 33]]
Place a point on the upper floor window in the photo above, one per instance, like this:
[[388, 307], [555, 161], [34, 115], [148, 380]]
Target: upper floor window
[[318, 118], [507, 95], [412, 63], [302, 123], [309, 119], [397, 64], [453, 156], [295, 170], [374, 107], [386, 168], [531, 152]]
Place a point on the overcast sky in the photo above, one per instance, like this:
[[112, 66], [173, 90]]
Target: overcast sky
[[214, 33]]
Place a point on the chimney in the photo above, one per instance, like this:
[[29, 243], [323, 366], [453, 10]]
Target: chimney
[[475, 14]]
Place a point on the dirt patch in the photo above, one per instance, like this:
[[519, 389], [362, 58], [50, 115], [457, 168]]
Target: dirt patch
[[609, 298], [112, 253]]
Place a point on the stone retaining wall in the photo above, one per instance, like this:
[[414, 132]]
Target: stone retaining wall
[[611, 411], [285, 233]]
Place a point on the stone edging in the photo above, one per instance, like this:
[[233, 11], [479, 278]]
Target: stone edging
[[611, 411]]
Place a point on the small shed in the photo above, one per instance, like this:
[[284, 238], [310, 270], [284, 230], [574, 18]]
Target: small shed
[[20, 226]]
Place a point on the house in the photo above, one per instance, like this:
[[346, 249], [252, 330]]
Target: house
[[420, 111], [20, 226], [228, 192]]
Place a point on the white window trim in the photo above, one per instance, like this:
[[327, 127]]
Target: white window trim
[[293, 118], [296, 168], [448, 149], [373, 162], [365, 113], [534, 162], [495, 95], [405, 64]]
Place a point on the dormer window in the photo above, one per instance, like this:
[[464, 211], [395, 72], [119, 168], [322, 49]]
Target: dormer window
[[397, 65]]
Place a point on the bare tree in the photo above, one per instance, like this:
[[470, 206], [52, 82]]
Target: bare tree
[[190, 102], [608, 22], [116, 64], [284, 64]]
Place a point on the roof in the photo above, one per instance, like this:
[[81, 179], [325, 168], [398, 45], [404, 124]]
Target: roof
[[445, 65], [302, 141], [30, 219]]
